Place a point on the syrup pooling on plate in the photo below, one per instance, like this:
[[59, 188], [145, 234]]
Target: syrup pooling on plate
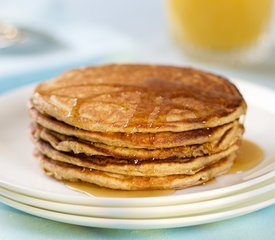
[[91, 189], [150, 103], [249, 155]]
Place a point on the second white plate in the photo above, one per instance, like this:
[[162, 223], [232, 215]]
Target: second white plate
[[226, 213]]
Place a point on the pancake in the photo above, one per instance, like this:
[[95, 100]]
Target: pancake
[[157, 167], [136, 140], [71, 144], [137, 127], [139, 98], [68, 172]]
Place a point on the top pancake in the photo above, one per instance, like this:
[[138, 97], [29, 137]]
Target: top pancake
[[139, 98]]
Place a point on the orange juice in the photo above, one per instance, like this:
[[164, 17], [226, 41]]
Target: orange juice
[[219, 25]]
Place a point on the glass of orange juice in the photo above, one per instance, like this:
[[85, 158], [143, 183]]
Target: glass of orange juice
[[223, 30]]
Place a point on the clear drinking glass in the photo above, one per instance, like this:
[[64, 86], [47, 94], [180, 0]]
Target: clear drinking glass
[[236, 31]]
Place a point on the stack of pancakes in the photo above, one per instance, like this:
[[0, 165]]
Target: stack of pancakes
[[136, 127]]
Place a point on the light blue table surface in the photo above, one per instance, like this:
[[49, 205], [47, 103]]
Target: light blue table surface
[[15, 224]]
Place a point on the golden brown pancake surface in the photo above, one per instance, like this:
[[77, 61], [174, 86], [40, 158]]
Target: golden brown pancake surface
[[139, 98]]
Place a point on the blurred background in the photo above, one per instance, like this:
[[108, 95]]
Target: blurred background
[[231, 37]]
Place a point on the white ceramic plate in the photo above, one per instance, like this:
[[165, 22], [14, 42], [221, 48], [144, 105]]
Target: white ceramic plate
[[235, 211], [19, 171], [146, 212]]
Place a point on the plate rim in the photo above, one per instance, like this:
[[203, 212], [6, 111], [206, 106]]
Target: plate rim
[[140, 223], [146, 211]]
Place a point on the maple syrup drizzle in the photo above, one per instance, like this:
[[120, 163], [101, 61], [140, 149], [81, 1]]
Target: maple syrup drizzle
[[157, 97]]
